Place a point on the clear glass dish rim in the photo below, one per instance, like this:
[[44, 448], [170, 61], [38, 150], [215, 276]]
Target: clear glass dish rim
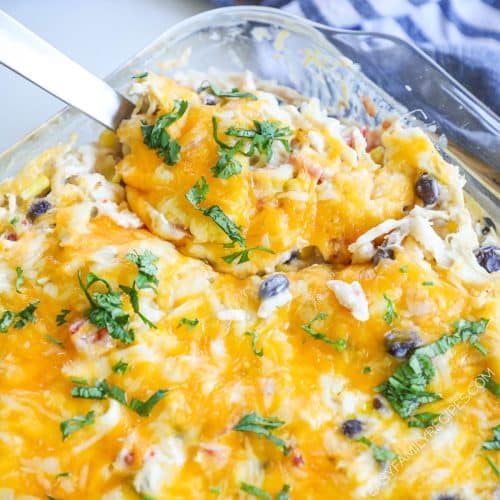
[[265, 14]]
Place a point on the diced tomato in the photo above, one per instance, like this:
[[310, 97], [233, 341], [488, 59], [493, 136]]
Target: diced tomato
[[11, 237]]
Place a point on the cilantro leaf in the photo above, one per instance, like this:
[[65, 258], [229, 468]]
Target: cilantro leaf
[[61, 317], [120, 367], [140, 76], [424, 419], [488, 382], [390, 312], [6, 320], [308, 328], [191, 323], [147, 270], [405, 388], [379, 454], [53, 340], [262, 426], [262, 137], [494, 443], [492, 464], [283, 493], [256, 351], [103, 390], [134, 301], [226, 165], [75, 423], [144, 408], [157, 138], [234, 93], [27, 315], [255, 491], [243, 255], [197, 194], [19, 279], [107, 309]]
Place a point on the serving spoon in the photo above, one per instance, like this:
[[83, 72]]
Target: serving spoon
[[30, 56]]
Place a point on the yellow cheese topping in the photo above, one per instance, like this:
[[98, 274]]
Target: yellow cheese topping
[[137, 362]]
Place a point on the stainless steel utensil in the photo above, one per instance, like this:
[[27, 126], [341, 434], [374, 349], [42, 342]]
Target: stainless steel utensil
[[30, 56]]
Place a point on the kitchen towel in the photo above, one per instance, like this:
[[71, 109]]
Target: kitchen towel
[[463, 36]]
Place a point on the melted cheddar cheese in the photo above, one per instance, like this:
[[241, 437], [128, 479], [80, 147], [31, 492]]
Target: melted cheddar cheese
[[309, 355]]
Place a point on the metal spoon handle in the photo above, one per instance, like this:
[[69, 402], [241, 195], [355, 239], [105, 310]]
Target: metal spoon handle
[[36, 60]]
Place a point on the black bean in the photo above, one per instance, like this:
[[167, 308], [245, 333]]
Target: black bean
[[448, 496], [378, 404], [208, 99], [488, 226], [427, 189], [401, 343], [488, 257], [273, 285], [351, 428], [38, 208], [382, 253]]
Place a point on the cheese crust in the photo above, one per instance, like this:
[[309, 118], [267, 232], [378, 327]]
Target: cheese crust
[[309, 355]]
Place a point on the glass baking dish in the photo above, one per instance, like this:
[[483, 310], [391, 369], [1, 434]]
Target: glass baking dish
[[363, 77]]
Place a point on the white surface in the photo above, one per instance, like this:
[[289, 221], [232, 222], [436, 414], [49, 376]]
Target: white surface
[[98, 34]]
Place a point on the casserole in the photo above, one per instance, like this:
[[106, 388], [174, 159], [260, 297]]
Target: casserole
[[208, 358]]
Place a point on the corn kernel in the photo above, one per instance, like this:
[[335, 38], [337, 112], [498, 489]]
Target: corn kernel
[[377, 155], [107, 138], [41, 184]]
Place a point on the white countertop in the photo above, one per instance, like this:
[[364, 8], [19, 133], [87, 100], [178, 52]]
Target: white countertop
[[98, 34]]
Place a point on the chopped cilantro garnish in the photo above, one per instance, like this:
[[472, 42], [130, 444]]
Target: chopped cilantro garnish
[[144, 408], [255, 491], [79, 380], [157, 138], [262, 426], [63, 474], [6, 320], [227, 165], [197, 194], [494, 443], [27, 315], [14, 220], [256, 351], [366, 370], [493, 465], [283, 493], [403, 269], [390, 312], [106, 309], [147, 270], [234, 93], [120, 367], [134, 301], [215, 490], [103, 390], [405, 389], [190, 323], [61, 317], [379, 454], [339, 344], [139, 76], [54, 341], [488, 382], [75, 423], [427, 283], [424, 419], [19, 279], [262, 137], [243, 255]]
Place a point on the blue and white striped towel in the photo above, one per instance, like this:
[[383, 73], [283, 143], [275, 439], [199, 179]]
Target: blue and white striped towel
[[461, 35]]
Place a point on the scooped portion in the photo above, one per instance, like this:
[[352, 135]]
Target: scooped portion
[[267, 178]]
